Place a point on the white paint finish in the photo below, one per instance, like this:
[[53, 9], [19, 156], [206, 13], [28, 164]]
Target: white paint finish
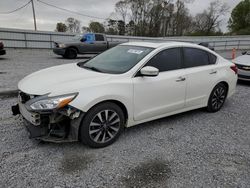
[[154, 96], [242, 60], [200, 82], [145, 98]]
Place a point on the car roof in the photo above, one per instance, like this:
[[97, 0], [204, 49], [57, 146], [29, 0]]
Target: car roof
[[161, 44]]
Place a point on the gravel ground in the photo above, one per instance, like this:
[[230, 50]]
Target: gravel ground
[[18, 63], [193, 149]]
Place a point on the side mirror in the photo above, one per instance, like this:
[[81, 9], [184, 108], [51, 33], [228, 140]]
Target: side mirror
[[83, 39], [149, 71], [244, 53]]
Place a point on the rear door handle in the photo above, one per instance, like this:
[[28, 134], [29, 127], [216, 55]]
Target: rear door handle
[[213, 72], [181, 79]]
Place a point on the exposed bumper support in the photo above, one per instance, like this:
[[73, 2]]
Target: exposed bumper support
[[66, 129]]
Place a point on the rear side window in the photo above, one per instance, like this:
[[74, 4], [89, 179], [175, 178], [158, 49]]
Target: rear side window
[[167, 60], [99, 37], [212, 59], [194, 57]]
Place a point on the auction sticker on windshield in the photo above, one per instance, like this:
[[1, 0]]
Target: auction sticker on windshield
[[133, 51]]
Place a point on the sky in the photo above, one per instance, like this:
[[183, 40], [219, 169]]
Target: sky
[[47, 17]]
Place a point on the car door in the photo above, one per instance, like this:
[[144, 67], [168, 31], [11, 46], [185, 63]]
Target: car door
[[201, 75], [100, 43], [88, 44], [156, 96]]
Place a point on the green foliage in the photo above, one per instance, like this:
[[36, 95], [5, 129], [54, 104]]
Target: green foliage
[[216, 33], [96, 27], [239, 22], [61, 27]]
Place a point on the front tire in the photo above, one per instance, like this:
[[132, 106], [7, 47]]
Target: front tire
[[102, 125], [70, 53], [217, 98]]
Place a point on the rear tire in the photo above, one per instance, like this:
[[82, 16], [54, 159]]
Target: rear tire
[[217, 98], [70, 53], [102, 125]]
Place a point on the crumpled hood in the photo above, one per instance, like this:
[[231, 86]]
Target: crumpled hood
[[59, 80], [243, 60]]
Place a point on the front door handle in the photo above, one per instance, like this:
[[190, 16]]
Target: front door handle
[[181, 79], [213, 72]]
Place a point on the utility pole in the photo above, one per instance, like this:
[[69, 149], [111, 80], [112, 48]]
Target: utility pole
[[34, 14]]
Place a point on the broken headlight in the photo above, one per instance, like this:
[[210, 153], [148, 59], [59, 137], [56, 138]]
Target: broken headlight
[[53, 102]]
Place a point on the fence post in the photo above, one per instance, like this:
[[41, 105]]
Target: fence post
[[225, 45], [238, 44], [25, 40], [50, 40]]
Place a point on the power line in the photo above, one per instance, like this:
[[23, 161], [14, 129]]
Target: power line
[[67, 10], [34, 14], [9, 12]]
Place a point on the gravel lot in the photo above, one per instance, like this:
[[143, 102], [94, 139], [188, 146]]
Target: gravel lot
[[193, 149]]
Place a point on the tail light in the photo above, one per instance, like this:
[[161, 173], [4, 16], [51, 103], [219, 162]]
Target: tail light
[[234, 68]]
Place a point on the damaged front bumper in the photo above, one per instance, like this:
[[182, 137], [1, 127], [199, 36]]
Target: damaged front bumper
[[59, 125]]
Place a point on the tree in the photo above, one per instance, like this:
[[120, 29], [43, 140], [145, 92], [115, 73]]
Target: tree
[[208, 22], [122, 8], [112, 28], [73, 25], [239, 23], [182, 20], [61, 27], [85, 29], [121, 27], [96, 27]]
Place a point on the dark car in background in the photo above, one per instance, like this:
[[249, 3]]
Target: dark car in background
[[89, 43], [2, 50]]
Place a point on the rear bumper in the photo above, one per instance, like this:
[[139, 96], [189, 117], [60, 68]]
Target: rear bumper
[[2, 52], [59, 51]]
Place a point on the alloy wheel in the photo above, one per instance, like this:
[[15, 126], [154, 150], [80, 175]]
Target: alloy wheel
[[218, 98], [104, 126]]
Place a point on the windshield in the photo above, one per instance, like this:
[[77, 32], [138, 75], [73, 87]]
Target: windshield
[[77, 37], [117, 60]]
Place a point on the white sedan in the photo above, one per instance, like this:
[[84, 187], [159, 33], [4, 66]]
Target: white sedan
[[243, 64], [127, 85]]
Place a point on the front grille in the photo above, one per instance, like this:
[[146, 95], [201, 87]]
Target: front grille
[[243, 67], [24, 97], [244, 77]]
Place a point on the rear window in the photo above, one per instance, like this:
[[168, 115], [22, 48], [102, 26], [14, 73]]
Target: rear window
[[194, 57], [99, 37]]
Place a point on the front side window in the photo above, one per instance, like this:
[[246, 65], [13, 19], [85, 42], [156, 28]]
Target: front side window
[[167, 60], [117, 60], [194, 57]]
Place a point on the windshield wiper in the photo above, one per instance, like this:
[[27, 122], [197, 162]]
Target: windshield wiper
[[92, 68]]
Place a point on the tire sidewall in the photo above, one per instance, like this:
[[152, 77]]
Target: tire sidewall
[[71, 53], [210, 107], [84, 127]]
